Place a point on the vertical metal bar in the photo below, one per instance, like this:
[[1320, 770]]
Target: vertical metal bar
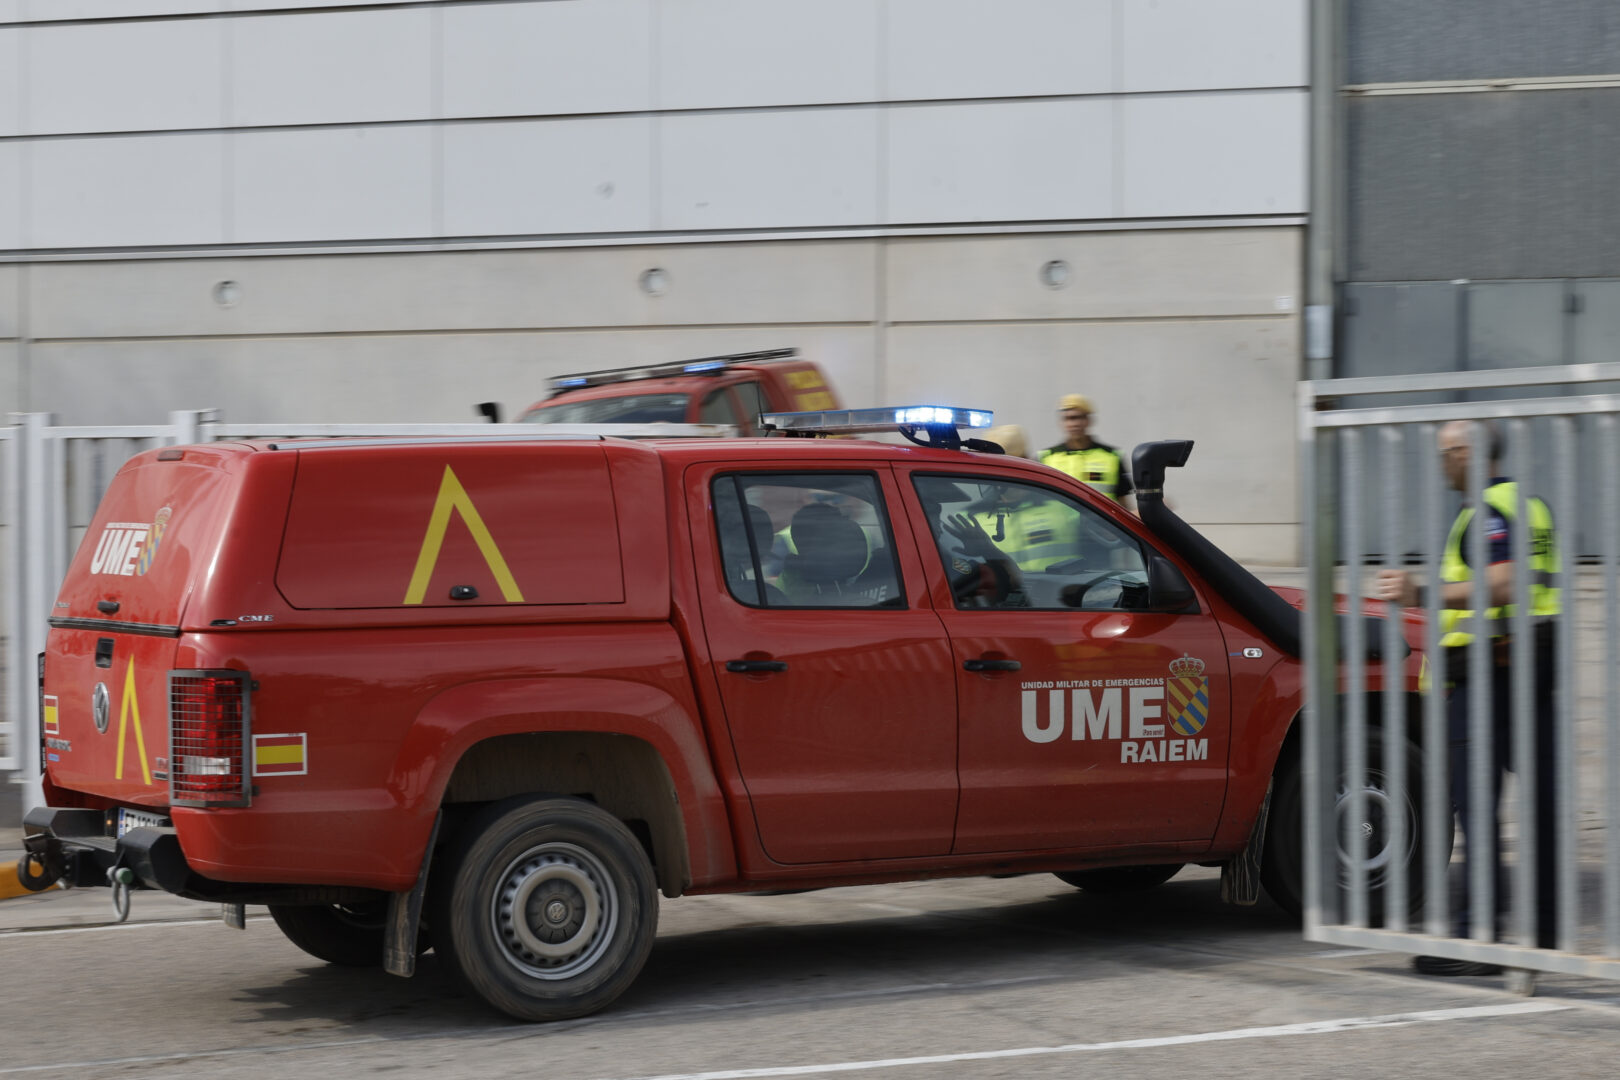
[[184, 425], [1325, 134], [1312, 444], [1524, 676], [1481, 786], [1437, 809], [1355, 696], [1393, 688], [37, 583], [1319, 733], [208, 421], [11, 602], [1566, 521], [1611, 633]]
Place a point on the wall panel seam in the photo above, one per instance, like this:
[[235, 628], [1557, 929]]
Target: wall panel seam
[[507, 118], [473, 331], [1066, 320]]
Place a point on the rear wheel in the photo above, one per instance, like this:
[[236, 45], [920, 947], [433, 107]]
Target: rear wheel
[[1120, 879], [551, 910], [1282, 866], [349, 935]]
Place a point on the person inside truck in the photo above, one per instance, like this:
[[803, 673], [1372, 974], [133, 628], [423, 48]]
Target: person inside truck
[[744, 581], [829, 560]]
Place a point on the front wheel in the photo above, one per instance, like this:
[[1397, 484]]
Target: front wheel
[[552, 908], [1120, 879], [1282, 866]]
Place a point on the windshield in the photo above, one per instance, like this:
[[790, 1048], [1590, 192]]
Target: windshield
[[633, 409]]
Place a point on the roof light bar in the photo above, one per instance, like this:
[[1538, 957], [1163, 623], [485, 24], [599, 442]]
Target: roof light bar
[[887, 418], [701, 365]]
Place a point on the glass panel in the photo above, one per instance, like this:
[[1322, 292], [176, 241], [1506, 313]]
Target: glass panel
[[753, 402], [626, 409], [717, 409], [1012, 545], [810, 541]]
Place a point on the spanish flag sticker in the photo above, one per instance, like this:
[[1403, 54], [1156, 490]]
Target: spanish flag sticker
[[280, 755], [51, 725]]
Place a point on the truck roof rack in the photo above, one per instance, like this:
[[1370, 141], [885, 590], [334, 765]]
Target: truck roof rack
[[701, 365], [420, 434], [925, 425]]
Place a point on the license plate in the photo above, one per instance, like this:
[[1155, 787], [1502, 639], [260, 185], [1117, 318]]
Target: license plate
[[134, 819]]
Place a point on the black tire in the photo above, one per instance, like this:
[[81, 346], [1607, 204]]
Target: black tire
[[349, 935], [1120, 879], [1282, 867], [549, 910]]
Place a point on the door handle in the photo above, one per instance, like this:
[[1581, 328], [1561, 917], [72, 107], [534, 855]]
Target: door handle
[[746, 667], [982, 664]]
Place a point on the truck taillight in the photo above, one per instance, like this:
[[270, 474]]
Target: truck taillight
[[210, 732]]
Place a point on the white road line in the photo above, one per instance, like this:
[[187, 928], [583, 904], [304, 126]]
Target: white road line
[[506, 1032], [23, 934], [1316, 1027], [519, 1030], [893, 909]]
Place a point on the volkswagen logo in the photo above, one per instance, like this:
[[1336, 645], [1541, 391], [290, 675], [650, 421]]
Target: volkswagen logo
[[101, 706]]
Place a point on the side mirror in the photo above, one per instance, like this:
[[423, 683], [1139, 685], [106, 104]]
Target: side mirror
[[1168, 587], [489, 410]]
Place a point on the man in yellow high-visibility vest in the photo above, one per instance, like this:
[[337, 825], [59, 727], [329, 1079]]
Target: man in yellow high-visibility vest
[[1084, 458], [1499, 516]]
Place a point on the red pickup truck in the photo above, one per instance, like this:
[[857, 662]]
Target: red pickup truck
[[492, 697], [732, 390]]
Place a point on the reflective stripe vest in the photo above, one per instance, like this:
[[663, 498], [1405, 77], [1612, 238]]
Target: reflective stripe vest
[[1033, 534], [1458, 626], [1097, 466]]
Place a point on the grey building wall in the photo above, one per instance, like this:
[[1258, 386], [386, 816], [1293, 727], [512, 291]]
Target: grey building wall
[[1423, 40], [1481, 140], [420, 205], [1482, 228]]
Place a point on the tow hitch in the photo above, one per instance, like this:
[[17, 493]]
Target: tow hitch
[[39, 869]]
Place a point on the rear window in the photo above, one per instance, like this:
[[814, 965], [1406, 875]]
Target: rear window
[[153, 532], [632, 409]]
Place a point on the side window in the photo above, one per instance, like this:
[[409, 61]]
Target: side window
[[717, 409], [1014, 545], [753, 402], [806, 540]]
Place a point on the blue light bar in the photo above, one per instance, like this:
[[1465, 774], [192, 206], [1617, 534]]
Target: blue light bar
[[570, 381], [888, 418], [705, 365]]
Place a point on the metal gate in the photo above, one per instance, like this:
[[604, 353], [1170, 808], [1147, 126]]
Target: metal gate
[[1376, 834], [52, 478]]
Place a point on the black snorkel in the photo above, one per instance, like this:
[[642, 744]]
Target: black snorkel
[[1273, 616]]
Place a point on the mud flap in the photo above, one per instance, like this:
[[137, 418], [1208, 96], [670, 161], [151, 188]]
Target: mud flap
[[405, 916], [1240, 875]]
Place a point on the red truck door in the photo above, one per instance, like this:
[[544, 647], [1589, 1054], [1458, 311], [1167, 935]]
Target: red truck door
[[1084, 724], [830, 662]]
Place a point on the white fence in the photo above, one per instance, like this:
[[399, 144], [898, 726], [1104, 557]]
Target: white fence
[[1369, 815], [51, 479]]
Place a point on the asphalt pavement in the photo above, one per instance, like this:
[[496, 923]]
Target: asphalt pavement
[[960, 979]]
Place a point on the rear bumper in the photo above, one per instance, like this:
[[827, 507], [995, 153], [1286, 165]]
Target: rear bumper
[[71, 846]]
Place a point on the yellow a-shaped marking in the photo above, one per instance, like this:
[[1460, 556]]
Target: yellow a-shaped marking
[[452, 496], [131, 708]]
